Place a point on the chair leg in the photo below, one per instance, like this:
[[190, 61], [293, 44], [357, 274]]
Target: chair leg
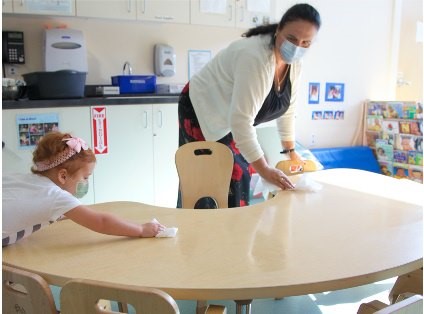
[[201, 307], [411, 282], [240, 304], [122, 307]]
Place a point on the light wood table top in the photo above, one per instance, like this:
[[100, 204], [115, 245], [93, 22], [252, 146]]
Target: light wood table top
[[360, 228]]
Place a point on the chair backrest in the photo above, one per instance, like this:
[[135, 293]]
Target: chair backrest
[[411, 305], [25, 292], [205, 170], [82, 296]]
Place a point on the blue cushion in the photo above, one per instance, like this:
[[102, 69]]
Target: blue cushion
[[355, 157]]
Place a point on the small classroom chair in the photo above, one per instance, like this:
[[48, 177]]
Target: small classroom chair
[[204, 169], [25, 292], [82, 296], [412, 304]]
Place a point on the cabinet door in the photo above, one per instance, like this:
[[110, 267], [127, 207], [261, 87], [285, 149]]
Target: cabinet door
[[218, 13], [18, 159], [114, 9], [125, 173], [45, 7], [7, 6], [170, 11], [254, 13], [165, 142]]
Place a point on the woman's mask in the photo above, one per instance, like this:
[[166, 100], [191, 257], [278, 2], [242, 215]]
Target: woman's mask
[[81, 189], [290, 52]]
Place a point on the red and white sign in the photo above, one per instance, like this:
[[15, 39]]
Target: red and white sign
[[100, 138]]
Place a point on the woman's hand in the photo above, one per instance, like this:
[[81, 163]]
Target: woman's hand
[[277, 177], [151, 229]]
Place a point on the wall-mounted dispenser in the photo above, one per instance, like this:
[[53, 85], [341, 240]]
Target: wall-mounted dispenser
[[165, 60]]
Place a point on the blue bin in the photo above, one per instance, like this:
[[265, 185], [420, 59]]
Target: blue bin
[[135, 84]]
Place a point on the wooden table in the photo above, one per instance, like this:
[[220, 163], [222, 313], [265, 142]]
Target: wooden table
[[360, 228]]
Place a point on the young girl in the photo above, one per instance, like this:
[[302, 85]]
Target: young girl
[[62, 165]]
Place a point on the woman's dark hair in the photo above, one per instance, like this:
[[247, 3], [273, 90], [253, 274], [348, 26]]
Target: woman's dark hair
[[301, 11]]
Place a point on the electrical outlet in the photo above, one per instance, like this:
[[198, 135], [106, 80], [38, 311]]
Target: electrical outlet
[[313, 139], [12, 70]]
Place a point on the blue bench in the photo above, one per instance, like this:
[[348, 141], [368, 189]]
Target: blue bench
[[355, 157]]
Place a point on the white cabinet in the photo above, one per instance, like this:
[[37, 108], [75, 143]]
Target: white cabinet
[[142, 140], [18, 159], [170, 11], [251, 13], [218, 13], [44, 7], [114, 9], [7, 6]]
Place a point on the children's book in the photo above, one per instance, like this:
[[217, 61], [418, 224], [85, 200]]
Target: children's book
[[406, 142], [391, 126], [374, 123], [393, 111], [386, 167], [404, 127], [416, 128], [374, 109], [371, 137], [389, 138], [418, 143], [416, 174], [409, 110], [400, 171], [400, 156], [383, 151]]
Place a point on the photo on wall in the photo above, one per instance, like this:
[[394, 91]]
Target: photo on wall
[[316, 115], [313, 93], [334, 91]]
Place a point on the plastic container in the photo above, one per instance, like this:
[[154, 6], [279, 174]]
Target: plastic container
[[135, 84], [61, 84]]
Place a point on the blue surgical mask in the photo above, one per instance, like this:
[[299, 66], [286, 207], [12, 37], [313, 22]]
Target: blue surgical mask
[[290, 52], [81, 189]]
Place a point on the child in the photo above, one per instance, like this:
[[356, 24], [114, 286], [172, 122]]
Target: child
[[62, 165]]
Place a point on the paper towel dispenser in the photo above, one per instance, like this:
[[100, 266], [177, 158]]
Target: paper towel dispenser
[[165, 60], [64, 50]]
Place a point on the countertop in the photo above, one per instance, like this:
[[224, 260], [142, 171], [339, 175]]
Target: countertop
[[131, 99]]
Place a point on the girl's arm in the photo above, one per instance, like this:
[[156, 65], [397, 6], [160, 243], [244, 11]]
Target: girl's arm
[[110, 224]]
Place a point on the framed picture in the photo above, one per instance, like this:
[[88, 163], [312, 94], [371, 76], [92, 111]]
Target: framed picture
[[316, 115], [334, 91], [313, 93]]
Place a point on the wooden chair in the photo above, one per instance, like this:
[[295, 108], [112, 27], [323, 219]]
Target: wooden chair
[[204, 169], [82, 296], [411, 305], [25, 292]]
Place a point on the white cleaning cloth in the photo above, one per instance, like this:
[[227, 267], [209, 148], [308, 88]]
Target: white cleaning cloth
[[167, 232]]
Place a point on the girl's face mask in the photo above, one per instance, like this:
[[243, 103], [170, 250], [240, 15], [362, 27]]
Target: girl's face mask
[[290, 52], [81, 189]]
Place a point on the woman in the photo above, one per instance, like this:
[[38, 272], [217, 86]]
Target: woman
[[253, 80]]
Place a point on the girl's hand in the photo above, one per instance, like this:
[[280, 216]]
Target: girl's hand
[[151, 229], [295, 156], [277, 177]]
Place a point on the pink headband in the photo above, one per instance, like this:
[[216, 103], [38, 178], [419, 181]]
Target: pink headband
[[75, 144]]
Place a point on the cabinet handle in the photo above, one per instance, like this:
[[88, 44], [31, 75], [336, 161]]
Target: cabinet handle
[[160, 120], [22, 3], [146, 121], [129, 6], [143, 10], [231, 12]]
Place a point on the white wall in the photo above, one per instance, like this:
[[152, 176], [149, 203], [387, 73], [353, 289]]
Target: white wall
[[357, 45]]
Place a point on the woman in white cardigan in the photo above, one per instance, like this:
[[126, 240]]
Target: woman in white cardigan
[[254, 80]]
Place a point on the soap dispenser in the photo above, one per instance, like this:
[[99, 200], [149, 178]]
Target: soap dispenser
[[165, 60]]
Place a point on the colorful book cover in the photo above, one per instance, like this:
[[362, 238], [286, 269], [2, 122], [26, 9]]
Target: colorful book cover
[[371, 137], [416, 174], [374, 123], [416, 128], [386, 168], [418, 143], [391, 126], [409, 110], [384, 151], [388, 138], [400, 171], [419, 111], [374, 109], [400, 156], [393, 111], [406, 142], [404, 127]]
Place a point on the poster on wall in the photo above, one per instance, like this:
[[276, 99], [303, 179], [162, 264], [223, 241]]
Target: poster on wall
[[99, 129], [334, 91], [32, 127], [197, 59], [313, 93]]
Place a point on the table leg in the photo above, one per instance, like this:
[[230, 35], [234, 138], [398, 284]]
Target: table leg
[[240, 304]]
